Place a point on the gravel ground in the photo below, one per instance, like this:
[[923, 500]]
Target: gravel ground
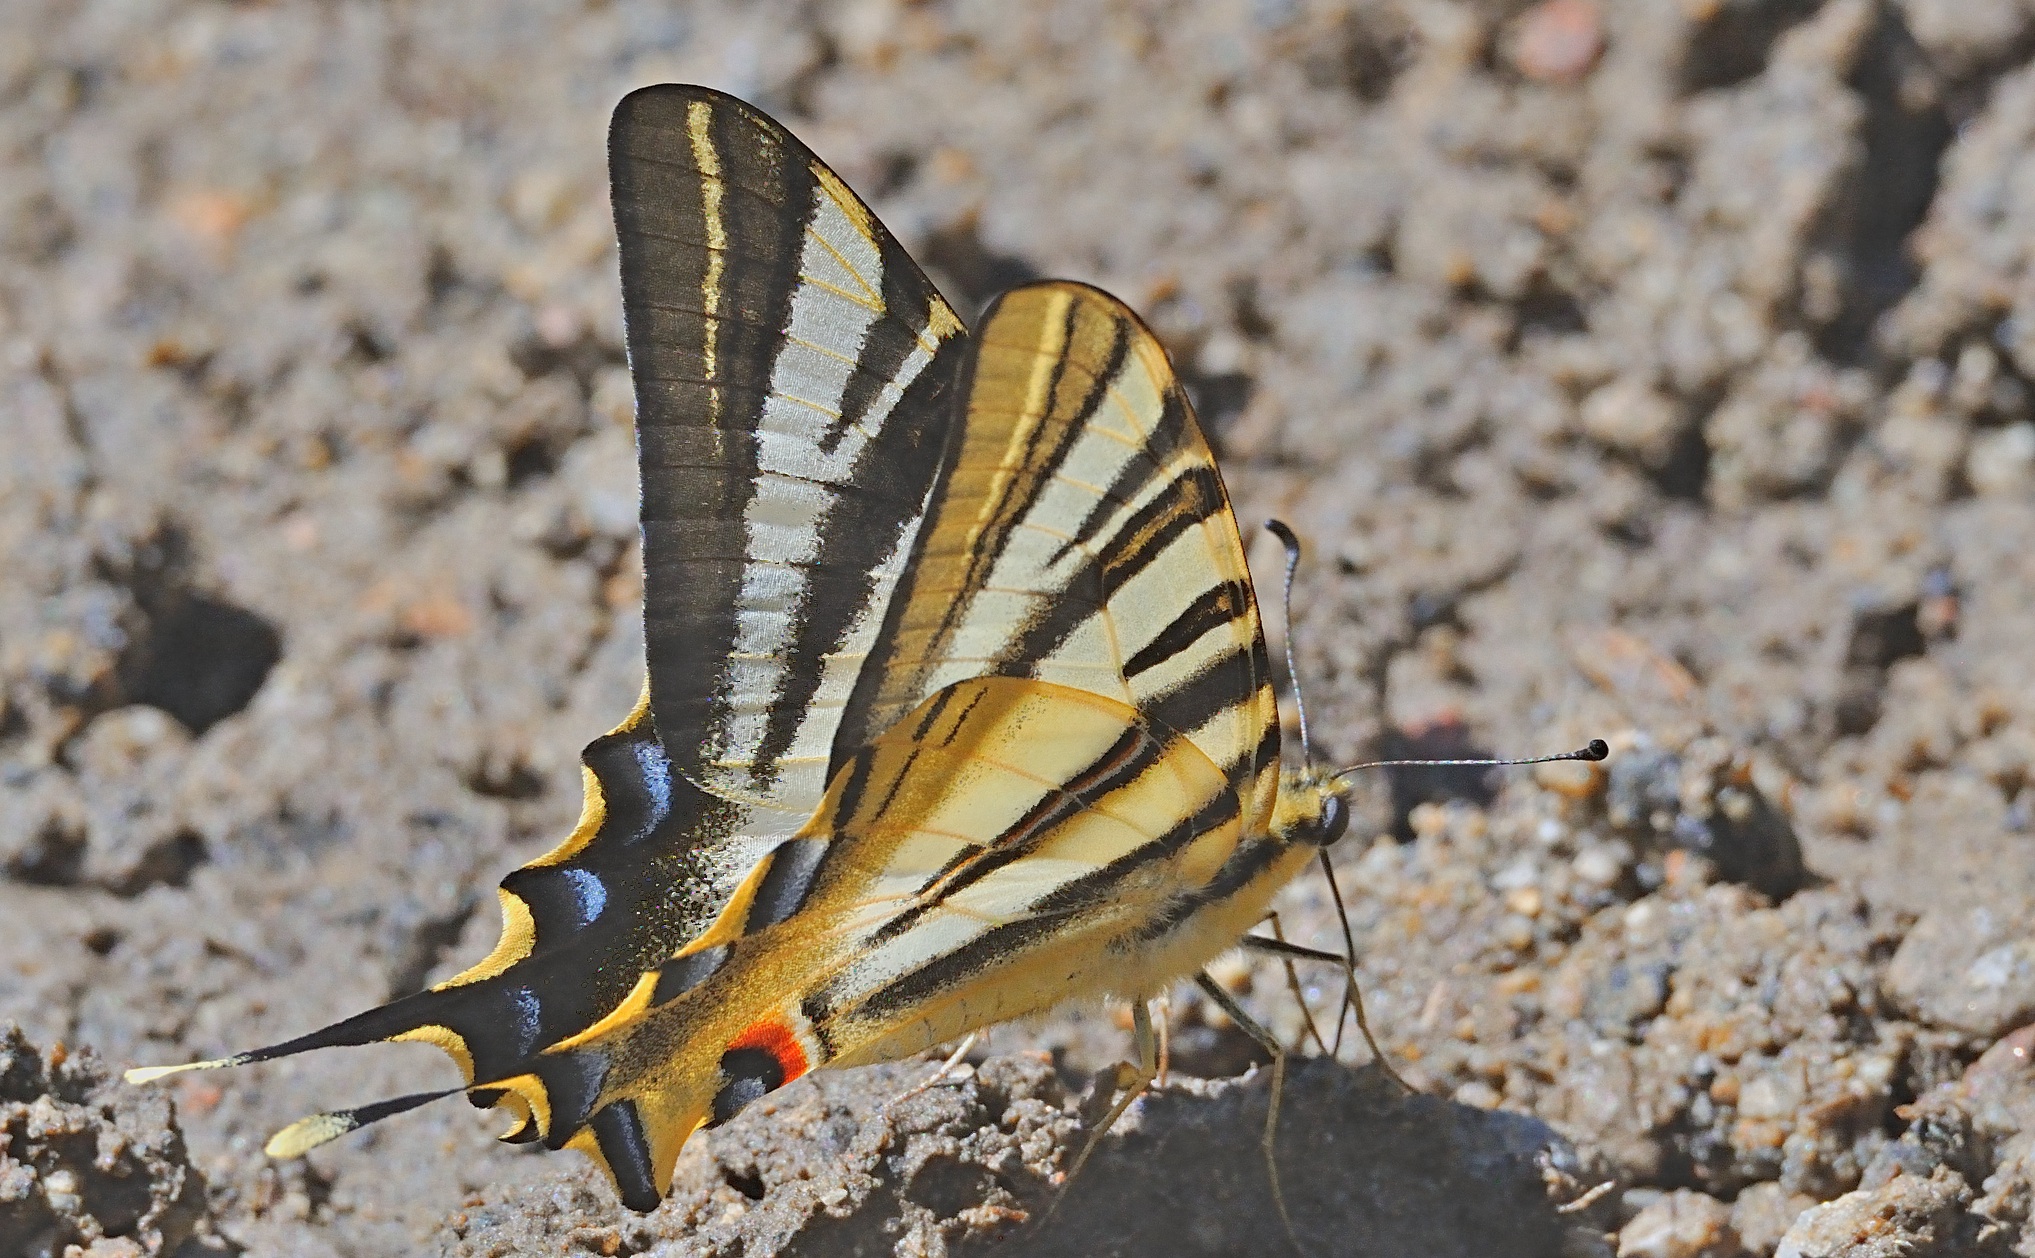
[[1658, 371]]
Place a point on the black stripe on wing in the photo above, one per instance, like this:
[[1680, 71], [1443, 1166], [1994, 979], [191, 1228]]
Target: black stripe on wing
[[860, 533], [1118, 766], [1163, 442], [1042, 458], [1217, 607]]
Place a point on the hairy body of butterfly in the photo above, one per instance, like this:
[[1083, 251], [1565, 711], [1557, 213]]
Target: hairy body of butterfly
[[958, 706]]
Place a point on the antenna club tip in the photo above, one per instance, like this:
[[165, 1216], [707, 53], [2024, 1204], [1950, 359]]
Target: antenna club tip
[[1597, 750], [1282, 530]]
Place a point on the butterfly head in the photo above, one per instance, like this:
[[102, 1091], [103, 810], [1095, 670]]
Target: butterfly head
[[1313, 807]]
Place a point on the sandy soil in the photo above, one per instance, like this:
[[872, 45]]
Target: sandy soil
[[1652, 370]]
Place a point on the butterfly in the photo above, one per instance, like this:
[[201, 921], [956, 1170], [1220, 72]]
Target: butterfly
[[957, 707]]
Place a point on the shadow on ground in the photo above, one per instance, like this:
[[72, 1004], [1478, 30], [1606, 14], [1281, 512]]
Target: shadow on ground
[[1365, 1168], [856, 1164]]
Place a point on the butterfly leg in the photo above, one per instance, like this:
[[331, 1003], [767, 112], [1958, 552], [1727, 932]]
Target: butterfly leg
[[1293, 985], [1364, 1025], [1353, 999], [946, 1070], [1350, 993], [1127, 1084], [1270, 1043], [1165, 1029]]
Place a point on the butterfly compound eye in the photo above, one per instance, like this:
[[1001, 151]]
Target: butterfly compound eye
[[1335, 819]]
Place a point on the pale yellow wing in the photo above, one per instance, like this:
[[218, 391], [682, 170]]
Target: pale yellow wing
[[1079, 534]]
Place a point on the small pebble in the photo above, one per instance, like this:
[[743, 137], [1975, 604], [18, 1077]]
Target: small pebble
[[2012, 1054], [1906, 1215], [1640, 918], [1680, 1224], [1429, 821], [1558, 41], [2002, 463], [1600, 866], [60, 1189], [1631, 416]]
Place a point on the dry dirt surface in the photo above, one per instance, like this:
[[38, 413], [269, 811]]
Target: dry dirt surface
[[1657, 370]]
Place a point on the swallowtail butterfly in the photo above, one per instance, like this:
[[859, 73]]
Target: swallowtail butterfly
[[957, 704]]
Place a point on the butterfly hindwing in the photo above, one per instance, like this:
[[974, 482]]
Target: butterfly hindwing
[[794, 373], [1006, 845]]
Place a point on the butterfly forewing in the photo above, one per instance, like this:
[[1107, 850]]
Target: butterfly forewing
[[794, 374], [1080, 534]]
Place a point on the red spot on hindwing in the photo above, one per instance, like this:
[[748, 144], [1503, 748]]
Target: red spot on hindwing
[[775, 1036]]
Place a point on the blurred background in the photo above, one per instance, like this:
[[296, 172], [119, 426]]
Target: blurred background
[[1656, 369]]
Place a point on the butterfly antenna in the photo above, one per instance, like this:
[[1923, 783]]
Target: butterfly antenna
[[1353, 996], [1288, 539], [1597, 749]]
